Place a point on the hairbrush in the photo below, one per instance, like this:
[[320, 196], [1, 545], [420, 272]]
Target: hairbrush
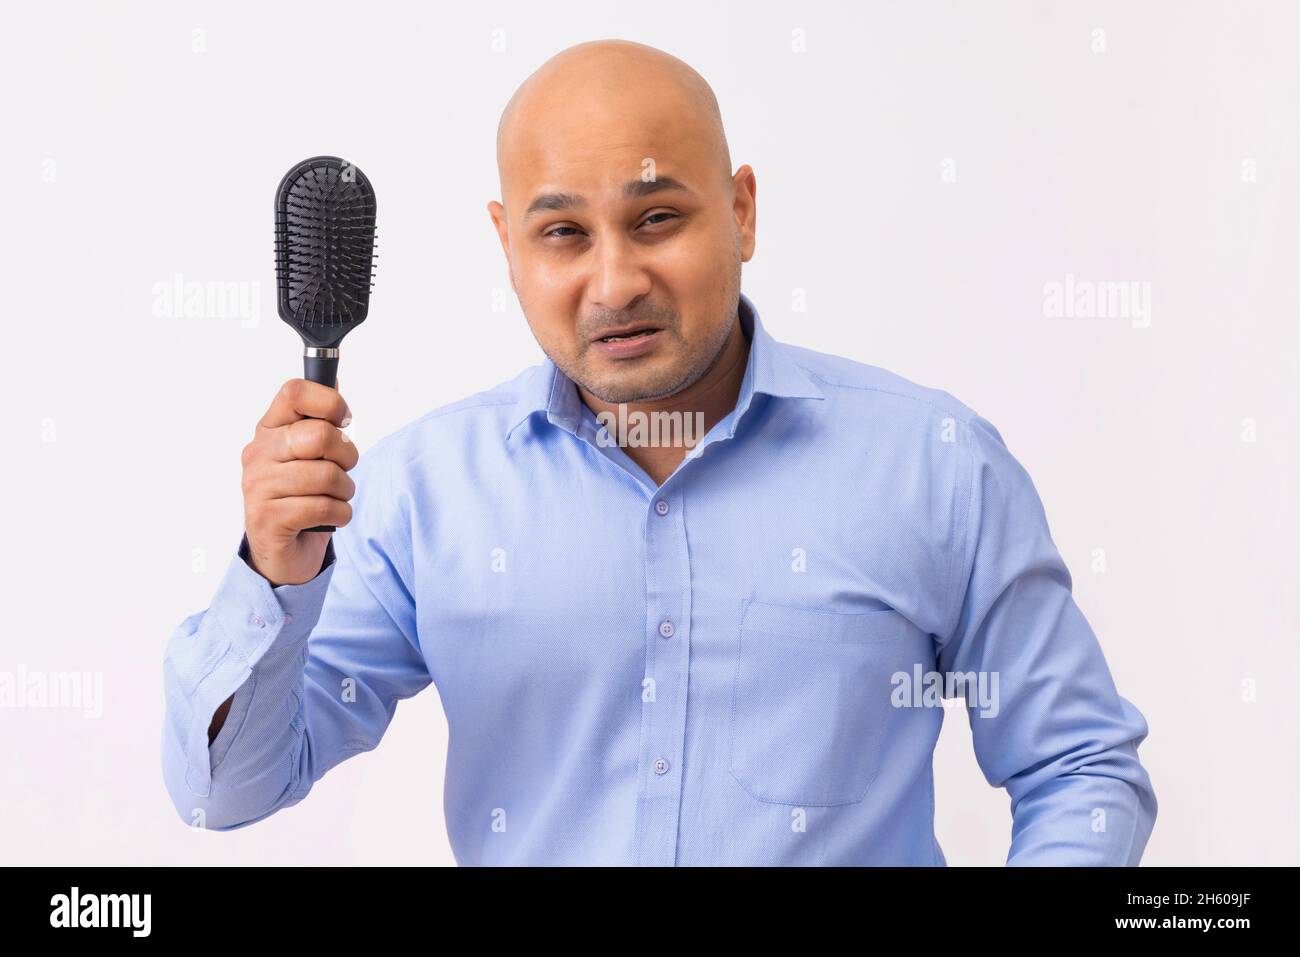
[[324, 260]]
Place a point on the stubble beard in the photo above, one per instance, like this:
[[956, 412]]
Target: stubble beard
[[692, 362]]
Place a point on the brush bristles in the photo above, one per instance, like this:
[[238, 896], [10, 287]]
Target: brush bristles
[[325, 248]]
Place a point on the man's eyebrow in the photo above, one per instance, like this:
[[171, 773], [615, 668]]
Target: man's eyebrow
[[633, 189], [640, 187]]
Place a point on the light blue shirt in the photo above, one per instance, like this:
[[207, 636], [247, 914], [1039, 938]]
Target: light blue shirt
[[736, 667]]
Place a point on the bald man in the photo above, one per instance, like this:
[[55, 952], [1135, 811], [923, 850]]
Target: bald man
[[689, 595]]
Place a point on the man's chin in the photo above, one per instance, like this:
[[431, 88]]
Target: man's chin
[[630, 386]]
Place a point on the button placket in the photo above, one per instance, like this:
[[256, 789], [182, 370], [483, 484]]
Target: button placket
[[663, 728]]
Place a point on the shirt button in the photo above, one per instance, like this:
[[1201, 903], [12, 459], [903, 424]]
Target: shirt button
[[661, 766], [256, 621], [666, 628], [661, 507], [288, 618]]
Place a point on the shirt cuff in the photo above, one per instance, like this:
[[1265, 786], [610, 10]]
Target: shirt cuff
[[252, 612], [251, 615]]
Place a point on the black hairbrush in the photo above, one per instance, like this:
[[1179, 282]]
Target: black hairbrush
[[324, 259]]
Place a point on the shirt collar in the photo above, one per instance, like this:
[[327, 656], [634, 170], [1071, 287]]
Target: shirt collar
[[770, 370]]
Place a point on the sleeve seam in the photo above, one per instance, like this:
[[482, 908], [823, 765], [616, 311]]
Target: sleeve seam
[[959, 564], [407, 556]]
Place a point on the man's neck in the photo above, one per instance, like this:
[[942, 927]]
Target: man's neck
[[713, 395]]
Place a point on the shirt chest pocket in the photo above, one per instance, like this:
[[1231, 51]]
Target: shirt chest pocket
[[811, 700]]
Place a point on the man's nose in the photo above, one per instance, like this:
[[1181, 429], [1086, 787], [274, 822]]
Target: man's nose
[[618, 275]]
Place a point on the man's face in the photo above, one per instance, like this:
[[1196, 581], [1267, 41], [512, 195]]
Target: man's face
[[625, 227]]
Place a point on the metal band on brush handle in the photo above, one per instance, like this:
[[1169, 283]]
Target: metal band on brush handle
[[321, 365]]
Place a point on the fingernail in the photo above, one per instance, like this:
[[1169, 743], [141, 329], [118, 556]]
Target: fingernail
[[347, 418]]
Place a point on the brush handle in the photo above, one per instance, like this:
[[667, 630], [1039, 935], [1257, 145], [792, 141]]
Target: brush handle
[[321, 365]]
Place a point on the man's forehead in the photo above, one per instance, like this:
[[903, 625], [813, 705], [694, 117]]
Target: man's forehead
[[553, 199], [601, 168]]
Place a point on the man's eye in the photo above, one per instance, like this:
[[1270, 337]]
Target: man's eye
[[562, 232]]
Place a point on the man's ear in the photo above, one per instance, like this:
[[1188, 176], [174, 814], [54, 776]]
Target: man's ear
[[745, 192], [498, 214]]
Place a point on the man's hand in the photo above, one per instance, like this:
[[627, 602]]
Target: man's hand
[[295, 477]]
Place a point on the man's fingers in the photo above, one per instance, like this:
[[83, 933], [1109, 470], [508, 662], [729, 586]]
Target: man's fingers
[[313, 439], [302, 397], [308, 511], [289, 479]]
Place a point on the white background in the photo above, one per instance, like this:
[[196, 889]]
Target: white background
[[131, 157]]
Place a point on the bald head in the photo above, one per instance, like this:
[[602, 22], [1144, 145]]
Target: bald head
[[615, 85]]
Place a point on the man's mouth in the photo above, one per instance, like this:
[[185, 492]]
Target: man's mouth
[[630, 334]]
